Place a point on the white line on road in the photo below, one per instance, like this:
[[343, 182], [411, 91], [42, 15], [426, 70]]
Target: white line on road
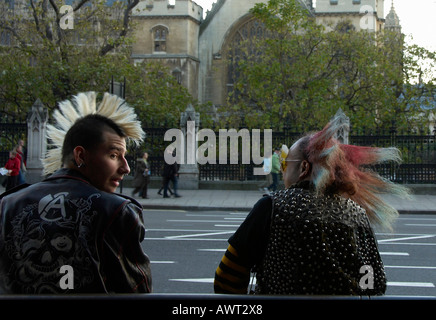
[[226, 225], [205, 215], [390, 283], [394, 253], [196, 221], [198, 235], [162, 262], [166, 210], [197, 280], [413, 218], [411, 284], [411, 267], [410, 243], [187, 239], [406, 238], [184, 230], [212, 250]]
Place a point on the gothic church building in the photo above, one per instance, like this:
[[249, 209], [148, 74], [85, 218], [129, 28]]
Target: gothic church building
[[196, 48]]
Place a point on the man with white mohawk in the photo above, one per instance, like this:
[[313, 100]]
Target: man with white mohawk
[[71, 233]]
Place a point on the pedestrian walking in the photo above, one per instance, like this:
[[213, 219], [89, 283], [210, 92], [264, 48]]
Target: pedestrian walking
[[315, 236], [170, 174], [22, 155], [275, 170], [142, 176], [73, 224], [13, 167]]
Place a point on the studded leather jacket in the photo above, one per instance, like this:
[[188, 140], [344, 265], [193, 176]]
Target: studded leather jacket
[[319, 245], [63, 235]]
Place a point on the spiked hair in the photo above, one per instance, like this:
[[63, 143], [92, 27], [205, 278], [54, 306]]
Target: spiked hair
[[343, 168], [112, 109]]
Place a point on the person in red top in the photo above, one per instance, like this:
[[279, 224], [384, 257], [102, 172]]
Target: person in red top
[[13, 165]]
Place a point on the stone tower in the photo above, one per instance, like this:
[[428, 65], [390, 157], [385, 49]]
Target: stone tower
[[168, 30], [363, 14], [392, 20]]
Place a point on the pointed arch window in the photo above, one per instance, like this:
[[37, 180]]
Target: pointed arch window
[[160, 38], [241, 47]]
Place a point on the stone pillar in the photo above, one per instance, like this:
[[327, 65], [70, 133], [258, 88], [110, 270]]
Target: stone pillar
[[36, 141], [188, 172], [342, 135]]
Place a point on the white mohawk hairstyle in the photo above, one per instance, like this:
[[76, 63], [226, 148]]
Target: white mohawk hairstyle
[[111, 106]]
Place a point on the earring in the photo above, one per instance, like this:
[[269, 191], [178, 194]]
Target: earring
[[80, 165]]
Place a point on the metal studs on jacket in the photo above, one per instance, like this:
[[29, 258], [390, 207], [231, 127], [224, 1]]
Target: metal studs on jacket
[[319, 245]]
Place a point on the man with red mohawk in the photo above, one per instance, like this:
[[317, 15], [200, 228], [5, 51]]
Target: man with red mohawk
[[315, 237]]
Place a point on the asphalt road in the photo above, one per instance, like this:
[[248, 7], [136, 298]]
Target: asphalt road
[[185, 248]]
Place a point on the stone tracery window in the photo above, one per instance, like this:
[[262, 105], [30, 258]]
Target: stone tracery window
[[241, 45]]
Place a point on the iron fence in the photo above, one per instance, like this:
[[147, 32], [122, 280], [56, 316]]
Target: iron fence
[[418, 151]]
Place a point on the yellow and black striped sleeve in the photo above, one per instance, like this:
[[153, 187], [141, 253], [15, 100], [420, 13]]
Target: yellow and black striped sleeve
[[231, 276]]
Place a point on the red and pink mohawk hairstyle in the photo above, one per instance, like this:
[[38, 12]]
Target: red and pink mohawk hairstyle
[[339, 168]]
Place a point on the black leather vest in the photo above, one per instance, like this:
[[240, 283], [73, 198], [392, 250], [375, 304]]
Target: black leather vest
[[321, 246]]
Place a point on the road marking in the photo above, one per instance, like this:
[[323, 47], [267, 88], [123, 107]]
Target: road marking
[[206, 215], [198, 235], [390, 283], [227, 225], [411, 243], [184, 230], [196, 221], [212, 250], [410, 297], [394, 253], [411, 284], [411, 267], [197, 280], [162, 262], [430, 219], [187, 239], [420, 225], [406, 238], [172, 210]]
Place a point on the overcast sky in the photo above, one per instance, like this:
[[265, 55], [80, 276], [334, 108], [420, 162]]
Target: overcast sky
[[417, 18]]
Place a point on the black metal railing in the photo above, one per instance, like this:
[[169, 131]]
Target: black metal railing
[[418, 152]]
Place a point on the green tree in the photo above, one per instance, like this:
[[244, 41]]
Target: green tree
[[299, 72], [43, 59]]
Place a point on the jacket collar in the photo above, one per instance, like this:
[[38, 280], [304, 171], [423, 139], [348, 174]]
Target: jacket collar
[[305, 184], [69, 174]]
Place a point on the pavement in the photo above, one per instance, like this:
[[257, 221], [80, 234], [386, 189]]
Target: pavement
[[240, 200], [244, 200]]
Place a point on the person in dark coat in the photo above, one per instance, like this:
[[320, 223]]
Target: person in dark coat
[[142, 177], [170, 174]]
